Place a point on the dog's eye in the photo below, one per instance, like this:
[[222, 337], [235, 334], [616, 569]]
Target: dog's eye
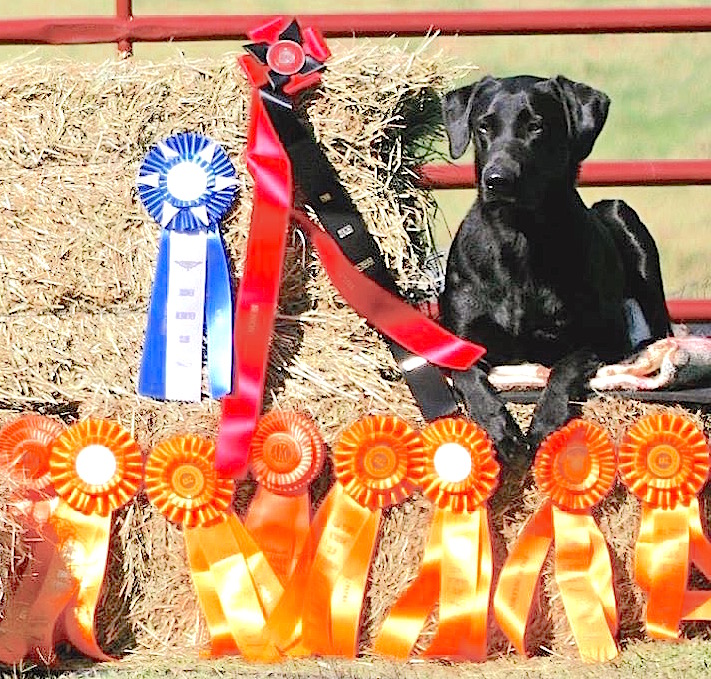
[[484, 128]]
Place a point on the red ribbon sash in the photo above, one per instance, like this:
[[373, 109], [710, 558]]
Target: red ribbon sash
[[259, 289], [386, 312], [257, 299]]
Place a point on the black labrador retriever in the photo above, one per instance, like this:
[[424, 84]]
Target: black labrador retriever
[[533, 274]]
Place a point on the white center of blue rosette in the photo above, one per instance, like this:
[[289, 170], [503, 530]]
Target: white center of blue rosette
[[187, 181]]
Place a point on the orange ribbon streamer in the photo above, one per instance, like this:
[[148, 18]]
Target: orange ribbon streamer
[[28, 626], [460, 474], [284, 625], [96, 467], [664, 461], [236, 586], [575, 468], [287, 454], [376, 462]]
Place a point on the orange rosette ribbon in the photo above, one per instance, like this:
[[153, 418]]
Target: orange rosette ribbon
[[664, 461], [377, 462], [575, 468], [96, 467], [287, 454], [24, 454], [460, 474], [27, 627], [236, 587]]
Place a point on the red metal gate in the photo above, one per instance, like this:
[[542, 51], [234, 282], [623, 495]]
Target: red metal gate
[[125, 28]]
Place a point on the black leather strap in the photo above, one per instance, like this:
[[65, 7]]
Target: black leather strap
[[317, 180]]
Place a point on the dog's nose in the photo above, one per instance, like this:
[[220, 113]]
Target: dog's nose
[[499, 182]]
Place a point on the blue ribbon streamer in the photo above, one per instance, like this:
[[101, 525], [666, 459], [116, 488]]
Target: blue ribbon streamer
[[218, 317], [151, 379]]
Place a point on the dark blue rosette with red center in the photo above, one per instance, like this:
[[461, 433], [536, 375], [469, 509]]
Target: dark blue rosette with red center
[[285, 59]]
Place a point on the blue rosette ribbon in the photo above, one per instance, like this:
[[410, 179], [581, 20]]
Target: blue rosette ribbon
[[187, 183]]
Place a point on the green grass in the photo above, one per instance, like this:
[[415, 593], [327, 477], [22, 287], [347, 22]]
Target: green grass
[[690, 660]]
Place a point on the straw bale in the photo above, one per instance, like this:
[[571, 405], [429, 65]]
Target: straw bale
[[331, 365], [77, 236], [75, 239], [46, 358], [162, 612], [77, 262]]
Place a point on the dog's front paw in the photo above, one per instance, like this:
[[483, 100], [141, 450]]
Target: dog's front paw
[[571, 375], [560, 400], [509, 442], [484, 406]]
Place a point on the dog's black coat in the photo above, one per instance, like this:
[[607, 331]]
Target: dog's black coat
[[533, 274]]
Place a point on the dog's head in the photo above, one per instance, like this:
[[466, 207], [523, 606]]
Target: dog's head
[[528, 132]]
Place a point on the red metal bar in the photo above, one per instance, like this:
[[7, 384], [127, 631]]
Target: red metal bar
[[593, 173], [690, 310], [125, 27], [124, 11], [680, 310], [646, 173]]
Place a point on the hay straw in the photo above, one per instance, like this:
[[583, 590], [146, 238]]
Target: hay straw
[[77, 238]]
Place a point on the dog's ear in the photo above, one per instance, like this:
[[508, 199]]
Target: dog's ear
[[456, 108], [456, 111], [586, 109]]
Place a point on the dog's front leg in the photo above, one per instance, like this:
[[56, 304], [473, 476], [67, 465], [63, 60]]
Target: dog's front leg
[[561, 399], [489, 411]]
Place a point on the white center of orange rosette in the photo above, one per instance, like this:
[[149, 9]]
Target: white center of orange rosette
[[287, 452], [461, 471], [181, 482], [575, 466], [379, 460], [664, 460], [96, 466], [452, 462]]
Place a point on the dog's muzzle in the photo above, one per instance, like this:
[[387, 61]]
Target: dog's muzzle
[[499, 183]]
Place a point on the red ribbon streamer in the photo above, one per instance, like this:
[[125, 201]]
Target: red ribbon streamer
[[259, 289], [392, 316]]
